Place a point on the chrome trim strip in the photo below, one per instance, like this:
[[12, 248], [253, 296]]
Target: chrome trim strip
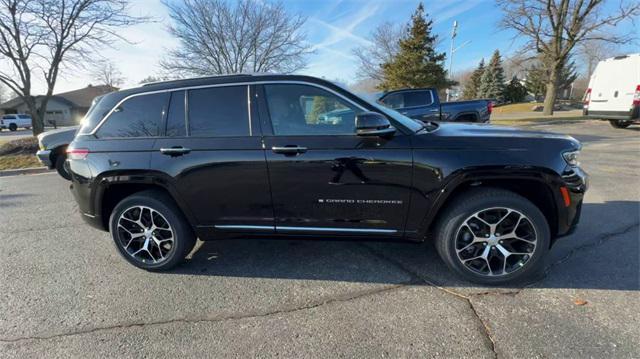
[[245, 83], [232, 226], [330, 229]]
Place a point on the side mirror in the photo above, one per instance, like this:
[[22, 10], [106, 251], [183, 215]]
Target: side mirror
[[373, 124]]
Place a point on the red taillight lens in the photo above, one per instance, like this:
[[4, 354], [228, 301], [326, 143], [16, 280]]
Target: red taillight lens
[[636, 96], [587, 98], [490, 106], [77, 153]]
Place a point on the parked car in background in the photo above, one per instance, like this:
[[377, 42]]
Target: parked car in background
[[424, 105], [53, 146], [286, 155], [614, 91], [15, 121]]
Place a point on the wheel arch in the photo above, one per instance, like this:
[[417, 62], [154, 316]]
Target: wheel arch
[[114, 187], [536, 187]]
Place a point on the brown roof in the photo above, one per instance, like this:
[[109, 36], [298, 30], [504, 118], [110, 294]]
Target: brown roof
[[83, 97], [77, 98]]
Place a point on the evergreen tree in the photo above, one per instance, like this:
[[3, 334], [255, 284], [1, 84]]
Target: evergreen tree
[[417, 63], [492, 81], [472, 88], [515, 91]]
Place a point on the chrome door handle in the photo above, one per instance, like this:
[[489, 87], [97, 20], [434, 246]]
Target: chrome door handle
[[289, 150], [175, 151]]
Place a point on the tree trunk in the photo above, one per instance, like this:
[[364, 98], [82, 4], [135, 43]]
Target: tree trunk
[[552, 90], [37, 123]]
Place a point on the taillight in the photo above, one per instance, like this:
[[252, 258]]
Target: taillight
[[77, 153], [636, 96], [587, 98], [490, 106]]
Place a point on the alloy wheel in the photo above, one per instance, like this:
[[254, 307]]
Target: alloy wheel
[[495, 241], [145, 234]]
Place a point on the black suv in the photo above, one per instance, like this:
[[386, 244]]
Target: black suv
[[281, 155]]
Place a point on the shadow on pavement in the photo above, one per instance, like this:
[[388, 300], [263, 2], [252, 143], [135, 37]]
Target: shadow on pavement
[[580, 261]]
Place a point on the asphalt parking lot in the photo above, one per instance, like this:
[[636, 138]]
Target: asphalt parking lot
[[65, 292]]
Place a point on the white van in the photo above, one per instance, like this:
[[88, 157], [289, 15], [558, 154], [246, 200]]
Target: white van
[[15, 121], [614, 91]]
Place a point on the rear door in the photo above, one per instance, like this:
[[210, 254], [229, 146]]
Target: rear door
[[212, 154], [614, 83], [324, 178]]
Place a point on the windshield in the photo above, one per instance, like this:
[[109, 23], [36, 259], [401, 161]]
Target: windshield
[[412, 125]]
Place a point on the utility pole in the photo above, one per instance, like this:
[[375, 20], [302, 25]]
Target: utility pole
[[453, 37]]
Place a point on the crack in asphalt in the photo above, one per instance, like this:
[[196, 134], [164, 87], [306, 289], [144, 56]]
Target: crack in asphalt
[[416, 277], [600, 240], [327, 301]]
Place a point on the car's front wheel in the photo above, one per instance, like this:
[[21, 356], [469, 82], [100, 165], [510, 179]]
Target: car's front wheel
[[13, 127], [493, 236], [150, 231], [620, 123]]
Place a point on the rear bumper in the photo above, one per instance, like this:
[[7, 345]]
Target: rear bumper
[[631, 115], [44, 156]]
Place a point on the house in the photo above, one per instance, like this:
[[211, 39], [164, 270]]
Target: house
[[63, 109]]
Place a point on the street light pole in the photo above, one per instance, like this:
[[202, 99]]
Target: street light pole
[[453, 37]]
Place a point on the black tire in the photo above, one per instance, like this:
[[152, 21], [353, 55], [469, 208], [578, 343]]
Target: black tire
[[13, 127], [183, 236], [59, 165], [620, 123], [451, 222]]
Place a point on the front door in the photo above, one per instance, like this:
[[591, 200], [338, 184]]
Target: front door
[[323, 177]]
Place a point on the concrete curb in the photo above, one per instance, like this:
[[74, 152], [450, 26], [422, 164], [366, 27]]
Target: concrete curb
[[24, 171]]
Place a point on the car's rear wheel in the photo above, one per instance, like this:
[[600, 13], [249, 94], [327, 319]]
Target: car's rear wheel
[[493, 236], [13, 127], [620, 123], [150, 231], [60, 159]]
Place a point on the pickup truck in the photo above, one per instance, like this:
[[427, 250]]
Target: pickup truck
[[15, 121], [424, 105]]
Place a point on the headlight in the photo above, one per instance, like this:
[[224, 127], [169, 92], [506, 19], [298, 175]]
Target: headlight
[[571, 157]]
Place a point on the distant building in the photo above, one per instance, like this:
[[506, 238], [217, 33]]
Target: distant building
[[63, 109]]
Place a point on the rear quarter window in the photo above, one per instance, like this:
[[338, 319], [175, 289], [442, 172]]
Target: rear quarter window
[[139, 116]]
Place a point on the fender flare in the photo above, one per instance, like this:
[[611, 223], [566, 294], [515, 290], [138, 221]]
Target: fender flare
[[138, 177], [469, 177]]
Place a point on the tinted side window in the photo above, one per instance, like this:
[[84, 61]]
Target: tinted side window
[[138, 116], [219, 111], [417, 98], [308, 110], [394, 100], [175, 116]]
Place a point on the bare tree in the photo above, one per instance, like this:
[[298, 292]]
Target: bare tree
[[594, 51], [553, 28], [385, 40], [44, 35], [107, 73], [250, 36]]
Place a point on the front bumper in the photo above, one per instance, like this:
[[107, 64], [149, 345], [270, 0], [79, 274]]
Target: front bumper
[[44, 156], [575, 182]]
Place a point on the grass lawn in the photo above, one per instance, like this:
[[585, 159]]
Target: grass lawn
[[529, 121], [20, 153], [10, 162], [516, 107]]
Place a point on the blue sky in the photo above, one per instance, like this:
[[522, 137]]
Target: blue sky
[[334, 28]]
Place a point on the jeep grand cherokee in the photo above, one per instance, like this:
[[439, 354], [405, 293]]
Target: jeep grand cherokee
[[276, 155]]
